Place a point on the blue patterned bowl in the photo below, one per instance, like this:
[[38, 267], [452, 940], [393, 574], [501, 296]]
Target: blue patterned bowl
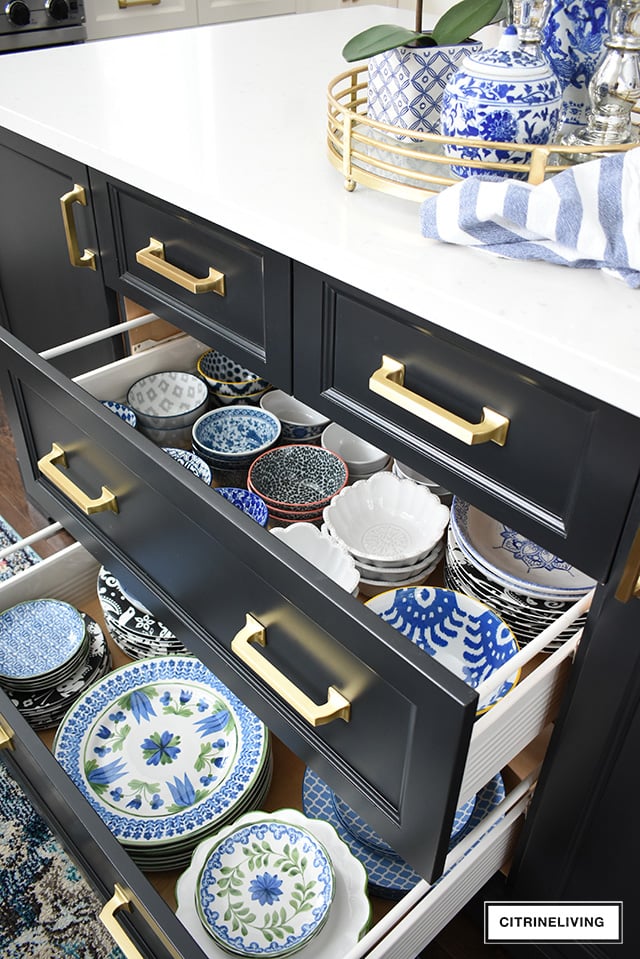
[[123, 411], [250, 503], [227, 381], [300, 423], [191, 462], [467, 637], [234, 435]]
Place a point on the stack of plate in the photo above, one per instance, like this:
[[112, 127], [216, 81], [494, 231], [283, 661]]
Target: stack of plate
[[49, 654], [131, 626], [166, 755], [389, 876], [406, 472], [526, 585], [268, 870]]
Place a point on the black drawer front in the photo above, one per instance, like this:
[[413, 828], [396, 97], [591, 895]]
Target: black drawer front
[[552, 480], [250, 318], [399, 758], [89, 842]]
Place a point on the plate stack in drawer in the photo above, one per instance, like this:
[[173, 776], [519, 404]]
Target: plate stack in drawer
[[525, 584]]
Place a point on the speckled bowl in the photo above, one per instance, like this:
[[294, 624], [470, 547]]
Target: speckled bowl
[[191, 462], [298, 475], [171, 399], [234, 435], [246, 501], [227, 381], [123, 411]]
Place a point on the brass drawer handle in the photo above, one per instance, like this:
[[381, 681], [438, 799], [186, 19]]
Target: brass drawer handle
[[153, 257], [119, 900], [629, 585], [123, 4], [336, 706], [77, 195], [48, 466], [388, 382], [6, 734]]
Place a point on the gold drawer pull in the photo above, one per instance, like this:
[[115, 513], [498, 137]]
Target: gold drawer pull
[[153, 257], [388, 382], [119, 900], [123, 4], [629, 585], [336, 706], [77, 195], [6, 734], [48, 466]]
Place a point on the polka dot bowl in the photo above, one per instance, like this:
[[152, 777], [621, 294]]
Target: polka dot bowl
[[228, 382]]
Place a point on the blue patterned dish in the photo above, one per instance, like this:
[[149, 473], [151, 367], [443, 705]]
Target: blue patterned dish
[[123, 411], [162, 750], [467, 637], [250, 503], [191, 462], [265, 889], [38, 637], [300, 423], [228, 382], [235, 434], [297, 475]]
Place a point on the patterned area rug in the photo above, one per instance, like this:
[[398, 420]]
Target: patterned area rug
[[47, 910]]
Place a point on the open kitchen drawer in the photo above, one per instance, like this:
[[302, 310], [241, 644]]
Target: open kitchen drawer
[[140, 907], [410, 749]]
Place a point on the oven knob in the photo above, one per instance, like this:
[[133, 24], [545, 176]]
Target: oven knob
[[57, 9], [18, 13]]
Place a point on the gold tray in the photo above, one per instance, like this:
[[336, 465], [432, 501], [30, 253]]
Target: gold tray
[[415, 167]]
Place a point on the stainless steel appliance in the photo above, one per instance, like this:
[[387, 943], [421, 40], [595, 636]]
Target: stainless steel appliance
[[29, 24]]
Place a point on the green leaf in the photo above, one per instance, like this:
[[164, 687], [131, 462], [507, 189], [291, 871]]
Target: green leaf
[[461, 21], [377, 39]]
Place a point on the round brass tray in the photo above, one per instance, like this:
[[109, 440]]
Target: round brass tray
[[414, 166]]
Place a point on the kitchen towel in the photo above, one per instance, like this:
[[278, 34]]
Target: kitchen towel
[[587, 216]]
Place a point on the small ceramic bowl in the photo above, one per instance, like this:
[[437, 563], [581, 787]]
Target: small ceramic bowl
[[235, 435], [387, 521], [172, 399], [466, 636], [360, 456], [178, 438], [246, 501], [191, 462], [123, 411], [297, 475], [300, 423], [227, 381], [323, 553]]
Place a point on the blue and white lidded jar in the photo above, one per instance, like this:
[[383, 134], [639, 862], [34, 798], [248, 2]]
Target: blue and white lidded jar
[[506, 95]]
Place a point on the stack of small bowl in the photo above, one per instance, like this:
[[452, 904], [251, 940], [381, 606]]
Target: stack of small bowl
[[392, 527], [229, 383], [229, 439], [526, 585], [167, 404], [131, 626], [323, 552], [300, 423], [297, 481], [50, 652], [362, 458]]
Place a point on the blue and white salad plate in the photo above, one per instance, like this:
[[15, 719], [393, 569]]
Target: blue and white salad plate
[[40, 640], [265, 889], [162, 750]]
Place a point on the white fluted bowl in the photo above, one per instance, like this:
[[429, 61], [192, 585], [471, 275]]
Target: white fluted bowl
[[326, 554]]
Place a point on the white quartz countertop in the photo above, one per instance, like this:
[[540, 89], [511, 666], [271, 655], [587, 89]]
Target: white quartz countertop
[[229, 122]]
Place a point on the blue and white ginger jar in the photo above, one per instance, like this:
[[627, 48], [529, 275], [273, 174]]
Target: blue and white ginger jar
[[503, 94]]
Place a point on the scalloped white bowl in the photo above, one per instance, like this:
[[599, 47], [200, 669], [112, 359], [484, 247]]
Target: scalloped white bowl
[[325, 554], [387, 521]]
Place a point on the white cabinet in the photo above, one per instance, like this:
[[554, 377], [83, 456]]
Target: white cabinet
[[310, 6], [118, 18], [217, 11]]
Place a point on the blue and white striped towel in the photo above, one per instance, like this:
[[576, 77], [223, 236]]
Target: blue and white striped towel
[[587, 216]]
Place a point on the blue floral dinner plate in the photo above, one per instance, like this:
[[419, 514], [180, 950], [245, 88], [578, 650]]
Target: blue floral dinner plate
[[265, 889], [162, 750]]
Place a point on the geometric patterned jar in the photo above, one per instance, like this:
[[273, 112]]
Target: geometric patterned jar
[[406, 84]]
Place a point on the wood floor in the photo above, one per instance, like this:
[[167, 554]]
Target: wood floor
[[462, 938]]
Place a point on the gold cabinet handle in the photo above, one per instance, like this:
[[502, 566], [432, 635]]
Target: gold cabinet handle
[[123, 4], [388, 382], [119, 900], [6, 734], [629, 585], [153, 257], [336, 706], [77, 195], [48, 466]]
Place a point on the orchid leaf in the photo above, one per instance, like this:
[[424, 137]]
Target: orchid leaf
[[461, 21], [377, 39]]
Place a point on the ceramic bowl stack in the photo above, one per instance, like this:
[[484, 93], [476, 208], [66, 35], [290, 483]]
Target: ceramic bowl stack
[[166, 755], [362, 458], [282, 872], [49, 653], [194, 464], [392, 527], [300, 423], [247, 502], [229, 438], [125, 412], [323, 552], [297, 481], [406, 472], [167, 404], [130, 624], [229, 383], [526, 585]]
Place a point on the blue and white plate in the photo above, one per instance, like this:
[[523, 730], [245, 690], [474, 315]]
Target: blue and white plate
[[388, 874], [162, 750], [40, 638], [265, 889]]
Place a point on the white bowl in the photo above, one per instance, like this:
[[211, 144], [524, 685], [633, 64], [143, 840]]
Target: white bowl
[[360, 456], [324, 553], [299, 422], [387, 521]]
